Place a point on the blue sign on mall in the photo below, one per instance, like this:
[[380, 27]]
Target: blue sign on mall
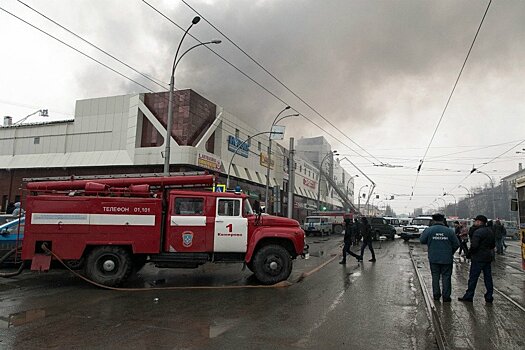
[[234, 142]]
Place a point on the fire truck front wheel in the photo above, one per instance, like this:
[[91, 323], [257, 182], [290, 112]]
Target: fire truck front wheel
[[272, 264], [108, 265]]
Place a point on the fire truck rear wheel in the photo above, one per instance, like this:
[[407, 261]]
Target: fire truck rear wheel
[[338, 229], [108, 265], [272, 264]]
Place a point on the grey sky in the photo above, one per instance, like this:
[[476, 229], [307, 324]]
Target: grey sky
[[380, 70]]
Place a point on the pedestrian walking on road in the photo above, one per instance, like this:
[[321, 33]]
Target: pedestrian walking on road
[[442, 243], [504, 237], [356, 237], [499, 232], [366, 231], [462, 235], [348, 241], [481, 253]]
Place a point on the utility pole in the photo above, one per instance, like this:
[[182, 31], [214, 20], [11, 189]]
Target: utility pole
[[291, 178]]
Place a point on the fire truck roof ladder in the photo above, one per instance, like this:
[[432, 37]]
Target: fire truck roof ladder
[[114, 176]]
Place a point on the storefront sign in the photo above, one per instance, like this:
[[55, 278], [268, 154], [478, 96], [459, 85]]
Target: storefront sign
[[208, 161], [309, 183], [234, 143], [264, 160]]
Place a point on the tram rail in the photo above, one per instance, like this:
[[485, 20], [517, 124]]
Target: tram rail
[[433, 315]]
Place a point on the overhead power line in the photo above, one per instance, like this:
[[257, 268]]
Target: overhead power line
[[451, 94], [254, 81], [224, 122], [153, 80], [279, 81]]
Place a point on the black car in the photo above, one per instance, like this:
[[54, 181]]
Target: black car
[[380, 227]]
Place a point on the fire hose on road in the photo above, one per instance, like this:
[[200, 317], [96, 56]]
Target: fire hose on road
[[4, 258]]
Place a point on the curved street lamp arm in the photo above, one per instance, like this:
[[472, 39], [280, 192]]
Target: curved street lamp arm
[[468, 191], [286, 116], [178, 49], [237, 149], [191, 48], [281, 112]]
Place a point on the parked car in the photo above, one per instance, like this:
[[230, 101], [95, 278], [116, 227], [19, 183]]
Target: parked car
[[416, 227], [381, 227], [10, 233]]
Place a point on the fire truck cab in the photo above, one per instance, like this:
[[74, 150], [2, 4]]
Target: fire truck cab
[[112, 227]]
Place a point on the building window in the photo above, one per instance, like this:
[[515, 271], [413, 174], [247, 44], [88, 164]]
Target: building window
[[36, 140], [237, 133], [300, 168]]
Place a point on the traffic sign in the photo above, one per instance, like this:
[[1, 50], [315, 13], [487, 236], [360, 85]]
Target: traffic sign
[[219, 188]]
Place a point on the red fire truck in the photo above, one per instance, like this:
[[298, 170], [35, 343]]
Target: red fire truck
[[113, 226]]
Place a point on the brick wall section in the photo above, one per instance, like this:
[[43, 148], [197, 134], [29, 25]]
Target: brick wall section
[[192, 115]]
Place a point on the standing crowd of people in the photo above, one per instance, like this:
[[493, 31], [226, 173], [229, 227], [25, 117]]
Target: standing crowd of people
[[443, 242]]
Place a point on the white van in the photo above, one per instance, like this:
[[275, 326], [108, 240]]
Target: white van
[[317, 225]]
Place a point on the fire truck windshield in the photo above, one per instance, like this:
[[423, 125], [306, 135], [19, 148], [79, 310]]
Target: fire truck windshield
[[247, 208]]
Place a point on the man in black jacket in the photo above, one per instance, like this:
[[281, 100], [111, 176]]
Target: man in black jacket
[[481, 253], [349, 228], [366, 231], [500, 232]]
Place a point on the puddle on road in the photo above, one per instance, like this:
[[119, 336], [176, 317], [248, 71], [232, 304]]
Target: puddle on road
[[220, 327], [21, 318]]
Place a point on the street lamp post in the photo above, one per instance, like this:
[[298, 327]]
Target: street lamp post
[[492, 190], [169, 123], [371, 205], [469, 200], [237, 149], [348, 185], [275, 121], [359, 199], [333, 153], [444, 206], [455, 202]]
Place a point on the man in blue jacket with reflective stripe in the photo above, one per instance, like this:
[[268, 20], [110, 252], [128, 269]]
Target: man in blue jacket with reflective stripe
[[442, 243]]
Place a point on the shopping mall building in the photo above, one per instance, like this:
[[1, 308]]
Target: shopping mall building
[[125, 135]]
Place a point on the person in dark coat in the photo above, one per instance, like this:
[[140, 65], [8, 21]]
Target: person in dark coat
[[481, 253], [348, 241], [442, 243], [499, 234], [355, 232], [462, 235], [366, 231]]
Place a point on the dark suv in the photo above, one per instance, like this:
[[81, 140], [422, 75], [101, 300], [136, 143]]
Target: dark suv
[[380, 227]]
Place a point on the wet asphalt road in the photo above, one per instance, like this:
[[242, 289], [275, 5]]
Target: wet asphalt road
[[366, 306]]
